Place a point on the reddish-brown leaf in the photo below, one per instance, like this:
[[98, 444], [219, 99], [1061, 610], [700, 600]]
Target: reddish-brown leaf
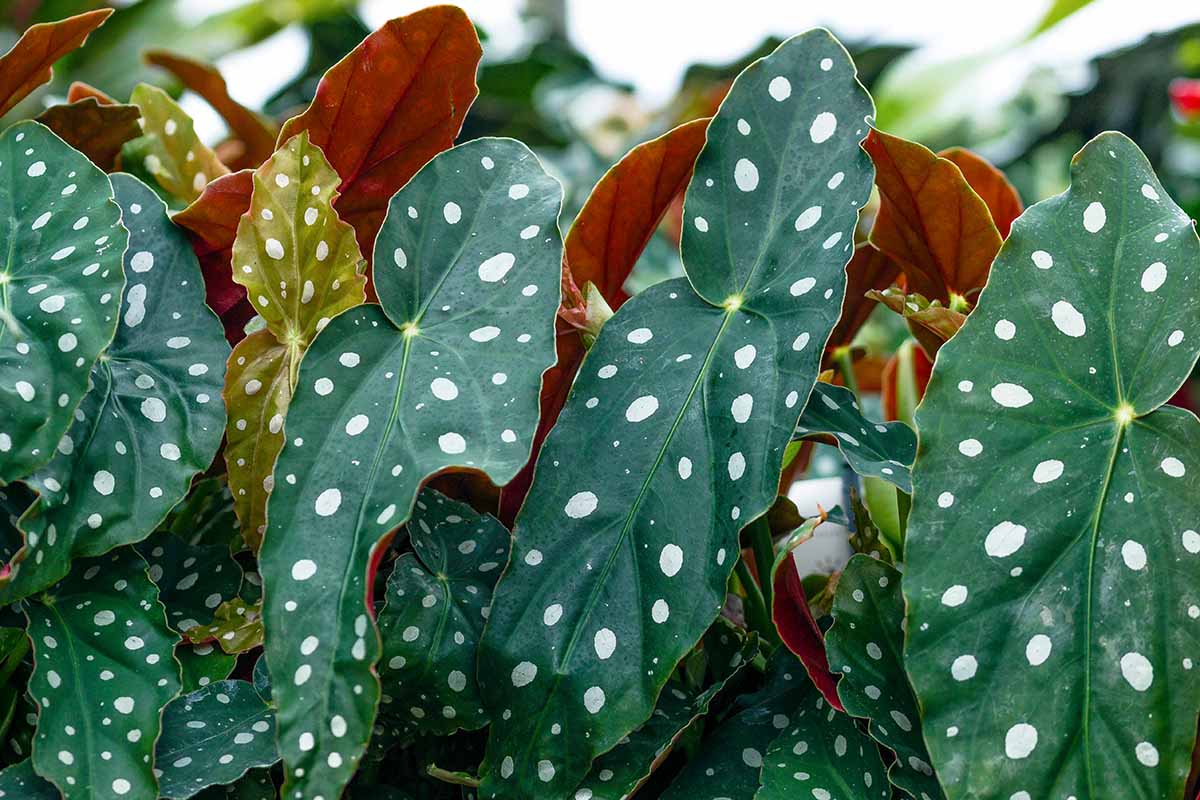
[[990, 184], [930, 219], [78, 90], [29, 63], [868, 269], [94, 129], [389, 106], [257, 136], [800, 632], [932, 325], [624, 209], [211, 221]]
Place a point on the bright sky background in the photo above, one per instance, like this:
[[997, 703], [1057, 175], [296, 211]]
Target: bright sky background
[[649, 43]]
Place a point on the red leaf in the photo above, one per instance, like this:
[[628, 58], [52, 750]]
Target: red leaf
[[93, 128], [990, 184], [868, 269], [800, 632], [78, 90], [389, 106], [29, 63]]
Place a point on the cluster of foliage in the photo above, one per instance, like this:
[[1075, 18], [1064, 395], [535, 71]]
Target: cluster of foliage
[[254, 408]]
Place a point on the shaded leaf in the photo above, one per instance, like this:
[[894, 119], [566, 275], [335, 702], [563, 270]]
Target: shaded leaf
[[1055, 504], [152, 419], [872, 449], [57, 311], [445, 374], [868, 269], [254, 785], [301, 267], [29, 63], [94, 129], [169, 151], [20, 782], [213, 736], [692, 399], [990, 184], [192, 580], [437, 601], [78, 90], [865, 645], [255, 132], [202, 664], [930, 220], [206, 516], [390, 105], [102, 654]]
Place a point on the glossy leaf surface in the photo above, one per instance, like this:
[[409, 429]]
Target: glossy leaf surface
[[1055, 503], [192, 580]]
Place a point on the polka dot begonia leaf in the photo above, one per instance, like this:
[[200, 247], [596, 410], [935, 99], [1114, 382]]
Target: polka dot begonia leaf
[[437, 601], [445, 373], [202, 664], [1053, 579], [301, 267], [865, 646], [152, 419], [103, 671], [193, 580], [169, 153], [212, 737], [682, 410], [882, 450], [254, 785], [60, 289], [621, 771], [19, 782]]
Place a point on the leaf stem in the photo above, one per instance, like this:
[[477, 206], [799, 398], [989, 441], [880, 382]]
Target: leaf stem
[[758, 618], [845, 364], [448, 776], [903, 506], [763, 547]]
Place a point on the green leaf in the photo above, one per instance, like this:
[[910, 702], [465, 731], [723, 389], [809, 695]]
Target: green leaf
[[683, 406], [621, 771], [872, 449], [254, 785], [822, 754], [865, 646], [236, 626], [301, 267], [446, 373], [193, 580], [202, 664], [206, 516], [213, 736], [169, 151], [103, 671], [437, 601], [57, 310], [152, 420], [1055, 504], [20, 782]]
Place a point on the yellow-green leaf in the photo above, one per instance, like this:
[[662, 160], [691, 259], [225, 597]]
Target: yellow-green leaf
[[169, 150]]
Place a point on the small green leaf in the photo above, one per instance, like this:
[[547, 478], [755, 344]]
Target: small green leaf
[[202, 664], [60, 289], [1053, 564], [437, 599], [872, 449], [103, 673], [301, 267], [213, 736], [20, 782], [446, 373], [169, 151], [236, 626], [193, 580], [865, 646], [674, 433], [152, 419]]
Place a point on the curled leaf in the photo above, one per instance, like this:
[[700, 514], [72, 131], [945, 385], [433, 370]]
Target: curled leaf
[[992, 186], [93, 128], [930, 323], [169, 151], [30, 62]]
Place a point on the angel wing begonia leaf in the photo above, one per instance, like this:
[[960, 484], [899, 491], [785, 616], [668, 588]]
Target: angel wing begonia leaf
[[169, 151], [103, 671], [1055, 504], [872, 449], [61, 282], [390, 105], [30, 62], [437, 599], [152, 419], [445, 373], [865, 645], [213, 736], [97, 130], [620, 564], [301, 267]]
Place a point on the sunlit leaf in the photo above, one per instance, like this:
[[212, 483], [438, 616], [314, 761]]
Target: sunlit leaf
[[103, 673], [685, 404], [446, 373], [94, 129], [29, 63], [169, 151], [1055, 504]]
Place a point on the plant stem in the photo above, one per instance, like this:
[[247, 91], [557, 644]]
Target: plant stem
[[447, 776], [846, 366], [758, 618], [903, 506], [759, 533]]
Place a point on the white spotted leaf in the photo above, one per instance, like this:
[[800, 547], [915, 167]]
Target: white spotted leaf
[[19, 782], [152, 419], [437, 601], [447, 372], [865, 647], [682, 408], [1052, 538], [212, 736], [60, 289], [103, 671], [193, 580], [882, 450]]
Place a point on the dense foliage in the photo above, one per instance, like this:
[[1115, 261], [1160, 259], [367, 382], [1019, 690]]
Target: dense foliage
[[331, 467]]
